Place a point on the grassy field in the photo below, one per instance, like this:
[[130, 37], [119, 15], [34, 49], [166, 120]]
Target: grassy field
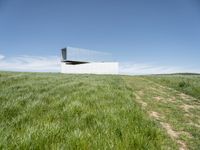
[[188, 84], [56, 111], [175, 111]]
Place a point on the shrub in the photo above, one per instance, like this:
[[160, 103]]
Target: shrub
[[183, 84]]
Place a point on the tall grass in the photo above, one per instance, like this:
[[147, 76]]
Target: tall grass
[[189, 84], [55, 111]]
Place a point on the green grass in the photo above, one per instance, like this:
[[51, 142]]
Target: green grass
[[189, 84], [163, 98], [56, 111]]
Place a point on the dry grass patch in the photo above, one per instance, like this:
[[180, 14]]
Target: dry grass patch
[[186, 107]]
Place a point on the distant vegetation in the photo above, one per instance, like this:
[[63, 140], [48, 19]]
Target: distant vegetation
[[56, 111]]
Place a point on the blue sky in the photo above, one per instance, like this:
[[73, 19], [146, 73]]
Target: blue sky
[[145, 36]]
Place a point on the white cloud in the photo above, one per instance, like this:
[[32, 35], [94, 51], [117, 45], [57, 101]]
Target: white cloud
[[52, 64], [2, 57], [130, 68], [30, 63]]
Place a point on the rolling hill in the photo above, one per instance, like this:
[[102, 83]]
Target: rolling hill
[[58, 111]]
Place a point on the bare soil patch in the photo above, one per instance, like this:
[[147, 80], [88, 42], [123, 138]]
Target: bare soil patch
[[158, 98], [186, 107], [173, 134], [154, 115]]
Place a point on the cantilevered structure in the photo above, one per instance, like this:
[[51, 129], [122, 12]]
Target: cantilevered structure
[[81, 61]]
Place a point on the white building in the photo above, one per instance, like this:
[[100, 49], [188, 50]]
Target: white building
[[80, 65]]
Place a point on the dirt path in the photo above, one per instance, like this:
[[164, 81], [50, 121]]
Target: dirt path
[[177, 113]]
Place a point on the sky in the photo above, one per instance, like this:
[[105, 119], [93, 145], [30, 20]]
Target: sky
[[145, 37]]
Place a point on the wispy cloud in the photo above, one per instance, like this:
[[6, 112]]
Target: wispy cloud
[[131, 68], [30, 63], [52, 64], [2, 57]]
